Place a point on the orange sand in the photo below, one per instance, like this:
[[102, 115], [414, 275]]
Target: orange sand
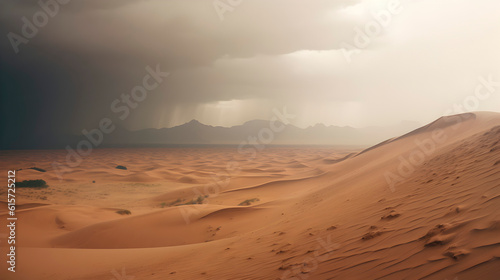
[[318, 213]]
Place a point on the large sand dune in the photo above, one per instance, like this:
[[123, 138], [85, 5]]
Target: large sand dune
[[425, 205]]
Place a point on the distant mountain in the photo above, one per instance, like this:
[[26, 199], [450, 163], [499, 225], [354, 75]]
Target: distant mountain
[[262, 131]]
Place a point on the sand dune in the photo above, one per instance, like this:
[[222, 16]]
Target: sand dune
[[425, 205]]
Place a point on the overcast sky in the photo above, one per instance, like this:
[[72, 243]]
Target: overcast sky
[[230, 66]]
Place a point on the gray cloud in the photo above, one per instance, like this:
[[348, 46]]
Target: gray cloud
[[263, 54]]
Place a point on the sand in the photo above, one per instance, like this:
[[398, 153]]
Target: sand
[[422, 206]]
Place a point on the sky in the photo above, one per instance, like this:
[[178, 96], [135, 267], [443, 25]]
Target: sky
[[347, 62]]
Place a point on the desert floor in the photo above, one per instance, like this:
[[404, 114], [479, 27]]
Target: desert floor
[[422, 206]]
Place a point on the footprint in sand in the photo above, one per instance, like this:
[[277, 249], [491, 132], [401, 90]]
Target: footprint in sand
[[440, 239], [439, 235], [392, 215], [487, 227], [456, 253], [374, 232]]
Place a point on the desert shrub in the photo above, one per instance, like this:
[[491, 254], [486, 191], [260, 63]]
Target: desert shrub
[[199, 200], [173, 203], [248, 202], [32, 184], [124, 212], [38, 169], [121, 167]]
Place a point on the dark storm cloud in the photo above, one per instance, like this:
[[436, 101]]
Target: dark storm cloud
[[92, 51], [264, 52]]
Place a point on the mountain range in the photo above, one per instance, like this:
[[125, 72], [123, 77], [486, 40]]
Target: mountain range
[[257, 131]]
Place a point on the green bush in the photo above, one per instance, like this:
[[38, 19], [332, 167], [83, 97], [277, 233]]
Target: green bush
[[38, 169], [199, 200], [124, 212], [248, 202], [173, 203], [32, 184]]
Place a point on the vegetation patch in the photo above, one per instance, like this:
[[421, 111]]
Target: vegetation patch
[[179, 202], [124, 212], [199, 200], [38, 169], [248, 202], [32, 184], [170, 204]]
